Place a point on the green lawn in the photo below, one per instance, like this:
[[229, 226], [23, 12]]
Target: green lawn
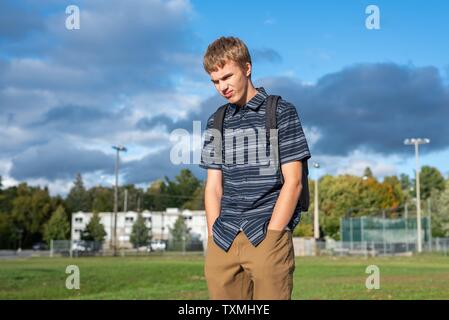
[[181, 277]]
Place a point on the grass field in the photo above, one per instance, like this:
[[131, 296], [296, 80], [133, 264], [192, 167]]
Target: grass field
[[181, 277]]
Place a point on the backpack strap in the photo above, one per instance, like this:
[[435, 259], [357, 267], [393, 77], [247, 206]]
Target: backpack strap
[[219, 117], [218, 124], [271, 123]]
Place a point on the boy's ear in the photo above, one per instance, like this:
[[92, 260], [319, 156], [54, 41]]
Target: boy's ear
[[248, 69]]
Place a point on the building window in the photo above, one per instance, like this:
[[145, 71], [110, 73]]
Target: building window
[[78, 220], [129, 219]]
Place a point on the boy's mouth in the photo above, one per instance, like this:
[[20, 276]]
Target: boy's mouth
[[229, 94]]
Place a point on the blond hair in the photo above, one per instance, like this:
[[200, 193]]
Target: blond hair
[[224, 49]]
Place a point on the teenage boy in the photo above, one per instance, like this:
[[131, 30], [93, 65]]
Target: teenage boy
[[250, 216]]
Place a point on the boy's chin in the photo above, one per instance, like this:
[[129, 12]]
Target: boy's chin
[[233, 100]]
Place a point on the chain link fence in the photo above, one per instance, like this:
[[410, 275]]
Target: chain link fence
[[310, 247], [302, 247], [80, 248]]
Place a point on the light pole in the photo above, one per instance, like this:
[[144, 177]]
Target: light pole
[[316, 223], [20, 232], [416, 142], [118, 148]]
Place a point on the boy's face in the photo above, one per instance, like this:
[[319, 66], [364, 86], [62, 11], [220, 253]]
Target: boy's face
[[232, 82]]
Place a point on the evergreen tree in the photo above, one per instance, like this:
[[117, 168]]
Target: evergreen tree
[[430, 178], [368, 173], [103, 199], [94, 229], [406, 186], [57, 228], [140, 233], [440, 211], [180, 234], [78, 197]]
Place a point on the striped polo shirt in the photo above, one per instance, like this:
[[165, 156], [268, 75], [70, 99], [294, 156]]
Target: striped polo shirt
[[249, 197]]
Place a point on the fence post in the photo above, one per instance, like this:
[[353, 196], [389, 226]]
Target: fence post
[[350, 224], [362, 236], [383, 230], [183, 245], [406, 232], [429, 221], [406, 226]]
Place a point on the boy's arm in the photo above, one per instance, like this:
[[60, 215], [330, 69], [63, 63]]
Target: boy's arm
[[212, 197], [289, 195], [293, 149]]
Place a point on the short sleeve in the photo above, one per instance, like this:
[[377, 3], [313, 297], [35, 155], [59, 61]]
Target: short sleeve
[[292, 141], [208, 160]]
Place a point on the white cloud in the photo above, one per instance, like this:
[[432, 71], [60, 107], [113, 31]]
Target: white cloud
[[172, 104], [355, 164], [312, 134]]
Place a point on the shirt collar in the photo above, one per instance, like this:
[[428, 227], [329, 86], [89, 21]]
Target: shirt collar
[[254, 103]]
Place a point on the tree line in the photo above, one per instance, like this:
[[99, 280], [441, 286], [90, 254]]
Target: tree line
[[29, 214], [356, 196]]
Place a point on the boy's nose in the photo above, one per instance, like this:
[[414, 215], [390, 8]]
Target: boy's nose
[[223, 87]]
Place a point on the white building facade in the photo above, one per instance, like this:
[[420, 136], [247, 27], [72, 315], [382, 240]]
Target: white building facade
[[159, 222]]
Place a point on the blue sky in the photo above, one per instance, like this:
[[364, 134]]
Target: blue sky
[[318, 37], [132, 74]]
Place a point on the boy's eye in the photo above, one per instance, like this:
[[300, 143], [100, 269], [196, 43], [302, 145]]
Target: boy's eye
[[224, 78]]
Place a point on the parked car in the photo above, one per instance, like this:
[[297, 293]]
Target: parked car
[[40, 246], [80, 246], [157, 245]]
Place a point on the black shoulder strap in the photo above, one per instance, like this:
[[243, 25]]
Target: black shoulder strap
[[271, 123], [219, 117], [218, 124]]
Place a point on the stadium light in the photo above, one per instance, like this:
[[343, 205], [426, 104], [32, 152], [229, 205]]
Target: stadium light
[[316, 223], [416, 142], [118, 148]]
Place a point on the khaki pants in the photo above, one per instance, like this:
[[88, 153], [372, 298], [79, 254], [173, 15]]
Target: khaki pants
[[246, 272]]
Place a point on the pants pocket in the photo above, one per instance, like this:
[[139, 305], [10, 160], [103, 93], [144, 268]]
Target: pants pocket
[[274, 236]]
